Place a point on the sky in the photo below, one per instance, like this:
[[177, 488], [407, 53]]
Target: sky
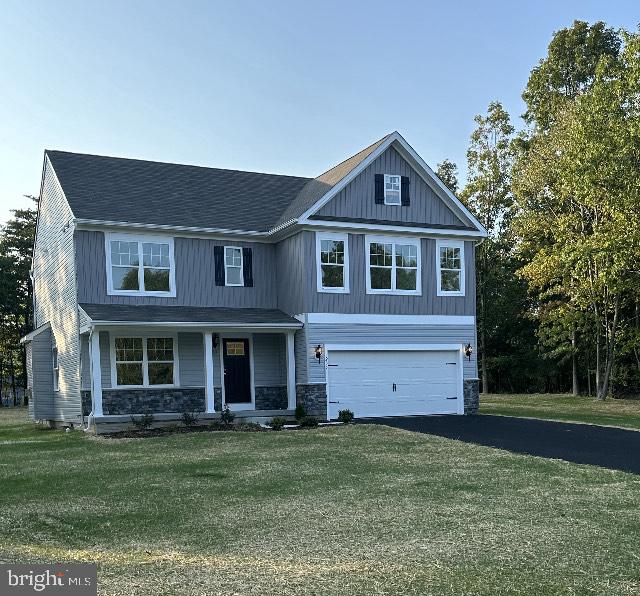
[[284, 87]]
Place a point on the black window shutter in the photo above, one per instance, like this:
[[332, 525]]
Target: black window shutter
[[247, 267], [218, 259], [404, 191], [379, 178]]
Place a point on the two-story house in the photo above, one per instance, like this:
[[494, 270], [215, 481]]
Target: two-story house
[[167, 288]]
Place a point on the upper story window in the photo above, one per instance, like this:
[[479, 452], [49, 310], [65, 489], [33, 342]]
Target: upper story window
[[143, 362], [392, 189], [140, 265], [332, 262], [450, 267], [56, 369], [233, 266], [393, 265]]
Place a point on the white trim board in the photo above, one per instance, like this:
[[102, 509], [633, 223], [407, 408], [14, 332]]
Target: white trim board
[[418, 164], [364, 319]]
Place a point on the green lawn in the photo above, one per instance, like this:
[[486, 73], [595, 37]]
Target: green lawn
[[612, 412], [334, 510]]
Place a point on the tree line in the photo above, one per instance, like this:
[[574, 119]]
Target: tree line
[[557, 278]]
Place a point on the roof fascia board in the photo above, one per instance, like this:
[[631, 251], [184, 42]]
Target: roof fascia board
[[363, 228], [348, 178], [431, 178]]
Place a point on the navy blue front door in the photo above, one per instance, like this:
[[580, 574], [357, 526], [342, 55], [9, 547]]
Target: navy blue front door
[[237, 371]]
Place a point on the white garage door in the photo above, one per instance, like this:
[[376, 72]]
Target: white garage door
[[394, 382]]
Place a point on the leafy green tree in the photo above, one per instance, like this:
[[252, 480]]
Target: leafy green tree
[[568, 70], [579, 203], [488, 195], [447, 171], [16, 293]]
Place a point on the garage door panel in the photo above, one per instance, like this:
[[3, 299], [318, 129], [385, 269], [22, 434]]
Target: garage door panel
[[426, 382]]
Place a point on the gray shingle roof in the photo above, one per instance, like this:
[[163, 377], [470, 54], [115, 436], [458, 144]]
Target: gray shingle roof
[[127, 313], [148, 192]]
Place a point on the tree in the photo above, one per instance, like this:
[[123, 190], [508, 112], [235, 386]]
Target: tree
[[579, 204], [16, 294], [488, 194], [568, 70], [447, 171]]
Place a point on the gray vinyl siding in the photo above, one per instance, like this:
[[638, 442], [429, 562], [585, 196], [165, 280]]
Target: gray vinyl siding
[[357, 198], [85, 362], [357, 300], [29, 361], [292, 272], [269, 359], [191, 354], [55, 293], [300, 348], [105, 359], [386, 334], [44, 407], [195, 275]]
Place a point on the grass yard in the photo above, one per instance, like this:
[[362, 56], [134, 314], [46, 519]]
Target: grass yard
[[612, 412], [334, 510]]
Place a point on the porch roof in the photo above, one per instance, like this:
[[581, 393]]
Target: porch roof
[[185, 316]]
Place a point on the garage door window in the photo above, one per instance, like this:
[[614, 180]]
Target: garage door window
[[394, 266]]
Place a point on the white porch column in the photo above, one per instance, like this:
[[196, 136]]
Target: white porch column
[[208, 369], [291, 371], [96, 373]]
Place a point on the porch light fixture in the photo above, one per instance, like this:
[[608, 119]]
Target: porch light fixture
[[319, 353], [468, 350]]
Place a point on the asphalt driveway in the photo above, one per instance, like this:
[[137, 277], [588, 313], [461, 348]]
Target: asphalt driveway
[[612, 448]]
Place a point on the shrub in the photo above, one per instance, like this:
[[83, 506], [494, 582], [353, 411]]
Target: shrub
[[227, 416], [345, 416], [277, 423], [308, 422], [142, 422], [189, 418], [301, 412]]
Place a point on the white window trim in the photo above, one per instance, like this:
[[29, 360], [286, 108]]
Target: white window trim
[[335, 236], [386, 178], [145, 362], [417, 242], [224, 256], [140, 238], [55, 360], [450, 244]]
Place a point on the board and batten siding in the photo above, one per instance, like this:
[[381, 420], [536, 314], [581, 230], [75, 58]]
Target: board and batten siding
[[292, 272], [195, 275], [357, 199], [386, 334], [54, 273], [357, 300]]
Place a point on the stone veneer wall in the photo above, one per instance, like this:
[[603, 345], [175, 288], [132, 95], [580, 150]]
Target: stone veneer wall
[[471, 396], [139, 401], [271, 398], [314, 398]]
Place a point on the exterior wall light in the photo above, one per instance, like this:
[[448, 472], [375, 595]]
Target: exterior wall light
[[214, 339], [468, 350], [319, 353]]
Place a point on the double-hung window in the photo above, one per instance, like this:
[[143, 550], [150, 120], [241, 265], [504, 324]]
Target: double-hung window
[[332, 262], [450, 267], [139, 265], [394, 265], [144, 361], [233, 266], [392, 189]]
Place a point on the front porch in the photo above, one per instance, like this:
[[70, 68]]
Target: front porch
[[168, 367]]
